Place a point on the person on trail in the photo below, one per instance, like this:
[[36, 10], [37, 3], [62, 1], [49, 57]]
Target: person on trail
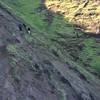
[[23, 27], [20, 27], [29, 30]]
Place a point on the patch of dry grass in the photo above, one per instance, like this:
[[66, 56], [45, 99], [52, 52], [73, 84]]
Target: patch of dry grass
[[84, 14]]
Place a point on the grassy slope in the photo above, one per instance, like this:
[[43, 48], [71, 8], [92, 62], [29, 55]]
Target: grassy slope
[[27, 10]]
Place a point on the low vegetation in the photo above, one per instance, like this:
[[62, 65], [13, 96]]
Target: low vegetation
[[54, 29]]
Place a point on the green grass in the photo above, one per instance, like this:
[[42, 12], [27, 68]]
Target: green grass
[[92, 52], [26, 8], [28, 11], [12, 48]]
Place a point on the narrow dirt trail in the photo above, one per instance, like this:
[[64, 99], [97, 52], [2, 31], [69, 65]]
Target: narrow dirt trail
[[3, 69]]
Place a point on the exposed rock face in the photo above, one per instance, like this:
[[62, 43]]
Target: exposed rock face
[[45, 78]]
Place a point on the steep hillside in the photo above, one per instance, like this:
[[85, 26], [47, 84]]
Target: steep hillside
[[42, 56], [61, 37]]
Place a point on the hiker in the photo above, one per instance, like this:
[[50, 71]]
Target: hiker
[[20, 27], [24, 25], [29, 30]]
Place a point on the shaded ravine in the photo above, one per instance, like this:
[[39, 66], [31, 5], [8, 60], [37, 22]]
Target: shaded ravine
[[45, 79]]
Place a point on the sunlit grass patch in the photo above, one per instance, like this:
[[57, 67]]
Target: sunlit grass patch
[[85, 14], [91, 54]]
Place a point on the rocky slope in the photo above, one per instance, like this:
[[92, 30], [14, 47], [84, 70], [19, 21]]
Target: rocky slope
[[28, 71]]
